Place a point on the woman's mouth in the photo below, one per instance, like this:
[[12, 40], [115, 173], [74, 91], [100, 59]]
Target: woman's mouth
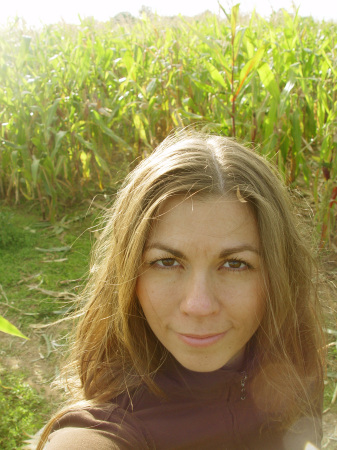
[[195, 340]]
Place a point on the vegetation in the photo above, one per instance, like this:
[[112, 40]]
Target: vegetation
[[40, 275], [22, 410], [82, 103]]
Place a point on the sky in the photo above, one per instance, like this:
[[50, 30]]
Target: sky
[[37, 12]]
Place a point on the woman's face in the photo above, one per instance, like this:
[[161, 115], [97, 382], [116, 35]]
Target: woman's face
[[200, 284]]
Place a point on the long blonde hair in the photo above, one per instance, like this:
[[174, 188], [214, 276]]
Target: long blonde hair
[[115, 350]]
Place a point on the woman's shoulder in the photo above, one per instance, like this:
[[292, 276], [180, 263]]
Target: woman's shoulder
[[98, 427]]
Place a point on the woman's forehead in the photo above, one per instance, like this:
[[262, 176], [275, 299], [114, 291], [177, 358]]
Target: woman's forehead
[[211, 218]]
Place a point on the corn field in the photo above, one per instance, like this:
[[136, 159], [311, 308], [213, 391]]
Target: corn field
[[80, 104]]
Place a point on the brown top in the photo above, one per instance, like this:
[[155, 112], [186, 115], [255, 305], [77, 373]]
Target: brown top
[[212, 410]]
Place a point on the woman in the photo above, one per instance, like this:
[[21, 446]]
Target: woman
[[200, 324]]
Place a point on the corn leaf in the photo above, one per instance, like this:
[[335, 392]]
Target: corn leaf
[[268, 79], [215, 75], [9, 328]]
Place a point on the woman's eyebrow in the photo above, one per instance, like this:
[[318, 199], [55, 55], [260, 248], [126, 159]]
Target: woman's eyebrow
[[163, 247], [238, 249], [223, 254]]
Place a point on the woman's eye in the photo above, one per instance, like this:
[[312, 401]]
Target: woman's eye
[[166, 262], [235, 264]]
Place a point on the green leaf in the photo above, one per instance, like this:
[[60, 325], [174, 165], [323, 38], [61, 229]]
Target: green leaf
[[234, 18], [237, 42], [98, 120], [215, 74], [248, 68], [284, 147], [296, 131], [190, 114], [329, 62], [9, 328], [285, 96], [102, 163], [270, 120], [326, 149], [151, 87], [268, 79], [34, 169], [58, 138], [204, 87], [52, 112], [140, 127]]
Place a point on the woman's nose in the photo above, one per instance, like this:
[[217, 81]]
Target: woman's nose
[[199, 298]]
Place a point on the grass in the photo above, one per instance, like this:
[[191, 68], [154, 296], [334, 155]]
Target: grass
[[23, 409], [37, 257], [37, 262]]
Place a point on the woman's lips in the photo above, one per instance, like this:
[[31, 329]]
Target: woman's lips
[[195, 340]]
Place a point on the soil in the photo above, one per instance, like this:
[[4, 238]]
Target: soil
[[31, 358]]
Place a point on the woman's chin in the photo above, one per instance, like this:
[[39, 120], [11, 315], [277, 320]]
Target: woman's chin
[[208, 364]]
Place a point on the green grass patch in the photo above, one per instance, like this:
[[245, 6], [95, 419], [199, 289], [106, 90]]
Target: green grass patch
[[11, 235], [42, 268], [38, 260], [23, 410]]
